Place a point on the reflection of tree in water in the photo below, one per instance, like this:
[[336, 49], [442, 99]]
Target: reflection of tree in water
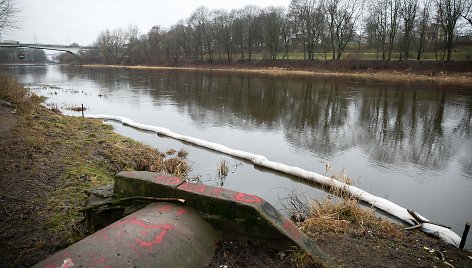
[[462, 131], [33, 75], [318, 118], [397, 127], [395, 123]]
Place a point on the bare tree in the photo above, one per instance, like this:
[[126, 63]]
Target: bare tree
[[222, 22], [448, 12], [383, 20], [154, 39], [286, 34], [273, 25], [131, 36], [200, 26], [423, 26], [321, 26], [305, 13], [467, 14], [376, 27], [239, 31], [8, 12], [342, 16], [251, 17], [172, 43], [408, 12], [393, 12], [112, 45]]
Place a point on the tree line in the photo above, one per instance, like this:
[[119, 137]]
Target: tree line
[[403, 29], [26, 55]]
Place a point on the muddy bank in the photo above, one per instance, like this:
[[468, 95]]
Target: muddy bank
[[454, 72]]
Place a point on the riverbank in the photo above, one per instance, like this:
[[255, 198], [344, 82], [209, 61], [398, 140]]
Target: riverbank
[[453, 73], [48, 160]]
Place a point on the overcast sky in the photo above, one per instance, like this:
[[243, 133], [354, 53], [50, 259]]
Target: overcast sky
[[61, 21]]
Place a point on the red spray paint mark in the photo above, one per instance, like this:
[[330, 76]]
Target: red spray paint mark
[[168, 180], [157, 239], [101, 235], [192, 187], [217, 192], [94, 261], [180, 212], [169, 209], [97, 261], [247, 198], [292, 229], [143, 233], [147, 227]]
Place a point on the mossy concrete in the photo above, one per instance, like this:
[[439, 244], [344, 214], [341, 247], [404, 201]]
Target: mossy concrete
[[159, 235], [227, 210]]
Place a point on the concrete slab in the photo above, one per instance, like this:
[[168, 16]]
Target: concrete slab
[[238, 212], [159, 235]]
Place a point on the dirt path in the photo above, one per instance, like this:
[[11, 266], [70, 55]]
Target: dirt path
[[7, 119]]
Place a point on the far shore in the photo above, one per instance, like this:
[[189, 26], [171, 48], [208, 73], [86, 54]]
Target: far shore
[[463, 78]]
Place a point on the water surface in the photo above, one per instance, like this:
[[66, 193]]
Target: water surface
[[408, 142]]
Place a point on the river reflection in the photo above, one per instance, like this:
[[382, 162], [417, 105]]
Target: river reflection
[[409, 142], [395, 123]]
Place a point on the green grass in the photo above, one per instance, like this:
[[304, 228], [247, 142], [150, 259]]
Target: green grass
[[460, 52]]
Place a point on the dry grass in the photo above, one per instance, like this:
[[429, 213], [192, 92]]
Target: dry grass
[[341, 177], [339, 213], [76, 108], [346, 216], [171, 152], [12, 92], [378, 75], [222, 169], [182, 153]]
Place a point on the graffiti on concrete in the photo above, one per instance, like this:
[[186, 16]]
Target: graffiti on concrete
[[263, 216], [220, 193], [193, 187], [172, 181], [292, 230], [137, 232], [149, 230], [247, 198]]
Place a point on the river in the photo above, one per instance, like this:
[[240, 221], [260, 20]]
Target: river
[[407, 142]]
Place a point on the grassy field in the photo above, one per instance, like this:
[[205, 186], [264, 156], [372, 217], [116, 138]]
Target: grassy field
[[460, 52]]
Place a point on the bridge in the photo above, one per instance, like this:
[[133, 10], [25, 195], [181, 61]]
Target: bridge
[[75, 50]]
